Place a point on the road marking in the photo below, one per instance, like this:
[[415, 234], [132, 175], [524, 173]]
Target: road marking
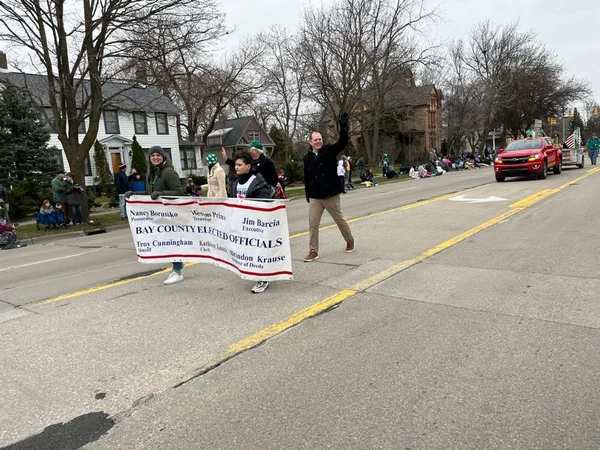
[[49, 260], [464, 198], [102, 287], [528, 202], [320, 307]]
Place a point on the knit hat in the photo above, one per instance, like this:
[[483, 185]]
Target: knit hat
[[257, 145], [157, 149], [211, 158]]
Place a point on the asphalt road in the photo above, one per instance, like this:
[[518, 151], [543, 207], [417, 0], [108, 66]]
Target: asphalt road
[[469, 321], [67, 265]]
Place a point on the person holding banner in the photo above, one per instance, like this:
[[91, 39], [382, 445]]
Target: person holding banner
[[323, 187], [163, 180], [250, 184], [217, 185]]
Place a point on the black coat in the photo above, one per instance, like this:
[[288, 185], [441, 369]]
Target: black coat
[[320, 169], [259, 188], [121, 182]]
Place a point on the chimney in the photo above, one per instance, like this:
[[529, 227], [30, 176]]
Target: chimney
[[141, 77], [3, 61]]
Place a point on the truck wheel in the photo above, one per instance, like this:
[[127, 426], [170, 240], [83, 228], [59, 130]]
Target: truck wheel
[[544, 173], [499, 178], [558, 168]]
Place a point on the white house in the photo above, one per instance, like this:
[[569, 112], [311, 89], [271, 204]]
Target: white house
[[130, 110]]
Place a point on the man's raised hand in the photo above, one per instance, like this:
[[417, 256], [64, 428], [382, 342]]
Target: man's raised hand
[[344, 120]]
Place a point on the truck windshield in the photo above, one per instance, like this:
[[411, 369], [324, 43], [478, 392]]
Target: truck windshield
[[524, 145]]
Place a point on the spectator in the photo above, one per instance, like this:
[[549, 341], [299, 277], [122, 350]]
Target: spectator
[[360, 164], [59, 194], [282, 179], [4, 205], [385, 164], [137, 183], [122, 186], [46, 207], [190, 188], [75, 199], [8, 236], [341, 173], [368, 176]]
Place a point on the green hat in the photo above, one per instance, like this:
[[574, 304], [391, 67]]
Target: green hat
[[211, 158], [256, 144]]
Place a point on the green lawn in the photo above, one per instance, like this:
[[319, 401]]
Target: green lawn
[[30, 230]]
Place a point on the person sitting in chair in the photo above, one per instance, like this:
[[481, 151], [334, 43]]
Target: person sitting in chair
[[8, 236]]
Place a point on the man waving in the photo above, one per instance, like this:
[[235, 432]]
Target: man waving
[[323, 187]]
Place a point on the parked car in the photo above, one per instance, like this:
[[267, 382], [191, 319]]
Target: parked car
[[528, 157]]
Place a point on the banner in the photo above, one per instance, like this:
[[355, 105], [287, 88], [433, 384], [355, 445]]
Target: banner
[[250, 238]]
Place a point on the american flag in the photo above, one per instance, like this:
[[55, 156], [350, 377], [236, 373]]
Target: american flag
[[571, 141]]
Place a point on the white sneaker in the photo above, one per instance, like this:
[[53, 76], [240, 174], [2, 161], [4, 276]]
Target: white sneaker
[[260, 286], [174, 277]]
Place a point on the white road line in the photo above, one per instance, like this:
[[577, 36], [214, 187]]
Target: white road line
[[50, 260]]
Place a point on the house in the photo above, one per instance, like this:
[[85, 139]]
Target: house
[[423, 118], [418, 112], [235, 135], [130, 109]]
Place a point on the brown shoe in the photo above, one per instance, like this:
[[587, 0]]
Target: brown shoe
[[312, 255], [349, 246]]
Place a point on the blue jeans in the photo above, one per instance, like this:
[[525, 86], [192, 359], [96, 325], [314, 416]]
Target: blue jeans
[[177, 267], [76, 214], [122, 210], [593, 156]]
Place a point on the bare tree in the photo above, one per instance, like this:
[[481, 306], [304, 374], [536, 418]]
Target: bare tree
[[285, 83], [520, 78], [181, 61], [358, 53], [73, 48]]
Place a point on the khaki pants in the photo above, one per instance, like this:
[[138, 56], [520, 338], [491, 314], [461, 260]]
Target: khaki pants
[[315, 212]]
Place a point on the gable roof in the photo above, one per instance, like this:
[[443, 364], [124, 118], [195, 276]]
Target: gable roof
[[237, 129], [120, 95], [413, 96]]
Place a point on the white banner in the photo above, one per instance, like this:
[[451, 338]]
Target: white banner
[[250, 238]]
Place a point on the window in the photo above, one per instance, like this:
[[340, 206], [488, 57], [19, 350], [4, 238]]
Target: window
[[57, 156], [48, 119], [111, 122], [88, 166], [140, 123], [188, 158], [162, 125], [81, 129], [254, 135], [214, 140]]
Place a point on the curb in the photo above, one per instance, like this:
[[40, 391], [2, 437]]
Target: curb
[[71, 234]]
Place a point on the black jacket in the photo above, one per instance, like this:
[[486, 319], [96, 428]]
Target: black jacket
[[121, 182], [320, 169], [259, 188]]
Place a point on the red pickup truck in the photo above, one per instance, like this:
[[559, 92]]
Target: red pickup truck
[[528, 157]]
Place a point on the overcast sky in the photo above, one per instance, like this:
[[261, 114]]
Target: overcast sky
[[572, 32]]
